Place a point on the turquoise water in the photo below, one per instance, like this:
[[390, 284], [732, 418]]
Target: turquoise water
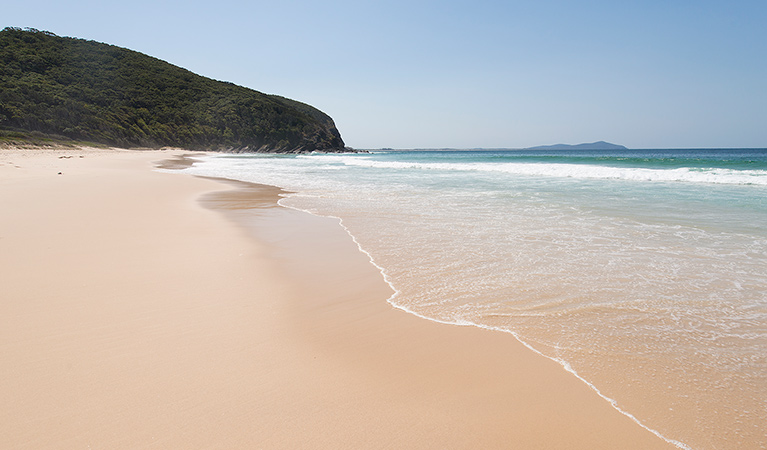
[[643, 272]]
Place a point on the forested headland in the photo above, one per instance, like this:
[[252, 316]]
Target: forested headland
[[74, 89]]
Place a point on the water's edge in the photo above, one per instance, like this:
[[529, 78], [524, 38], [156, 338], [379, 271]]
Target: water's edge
[[564, 364]]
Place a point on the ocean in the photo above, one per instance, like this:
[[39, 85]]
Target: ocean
[[642, 272]]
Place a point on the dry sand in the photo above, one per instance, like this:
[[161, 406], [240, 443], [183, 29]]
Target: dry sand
[[132, 315]]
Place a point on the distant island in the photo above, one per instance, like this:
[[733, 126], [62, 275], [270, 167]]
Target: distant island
[[66, 89], [599, 145]]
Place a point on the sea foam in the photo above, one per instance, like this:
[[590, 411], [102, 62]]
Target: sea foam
[[690, 175]]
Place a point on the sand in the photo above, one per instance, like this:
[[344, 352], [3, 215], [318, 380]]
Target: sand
[[141, 309]]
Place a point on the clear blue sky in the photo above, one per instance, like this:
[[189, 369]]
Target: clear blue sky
[[465, 74]]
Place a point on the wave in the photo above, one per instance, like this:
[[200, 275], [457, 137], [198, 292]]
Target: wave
[[584, 171]]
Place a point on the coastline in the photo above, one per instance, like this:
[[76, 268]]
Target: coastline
[[139, 316]]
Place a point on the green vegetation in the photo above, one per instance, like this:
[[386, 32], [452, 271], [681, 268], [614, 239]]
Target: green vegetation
[[34, 139], [62, 89]]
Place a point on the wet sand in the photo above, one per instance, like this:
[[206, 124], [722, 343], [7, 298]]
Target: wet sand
[[157, 310]]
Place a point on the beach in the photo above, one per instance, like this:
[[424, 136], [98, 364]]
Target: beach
[[146, 309]]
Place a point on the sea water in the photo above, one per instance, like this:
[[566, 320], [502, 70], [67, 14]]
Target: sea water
[[642, 272]]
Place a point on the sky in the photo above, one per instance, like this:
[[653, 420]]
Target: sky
[[465, 74]]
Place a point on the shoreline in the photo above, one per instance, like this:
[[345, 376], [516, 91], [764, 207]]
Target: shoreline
[[391, 300], [245, 186], [153, 321]]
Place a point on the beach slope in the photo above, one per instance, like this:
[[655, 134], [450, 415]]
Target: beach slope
[[142, 309]]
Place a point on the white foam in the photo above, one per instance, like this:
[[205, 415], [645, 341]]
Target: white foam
[[585, 171]]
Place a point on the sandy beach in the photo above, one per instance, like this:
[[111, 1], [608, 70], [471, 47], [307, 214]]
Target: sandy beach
[[143, 309]]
